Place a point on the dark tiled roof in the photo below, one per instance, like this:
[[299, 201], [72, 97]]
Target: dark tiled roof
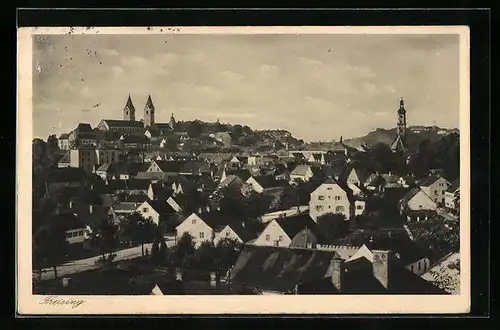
[[269, 181], [106, 167], [243, 174], [83, 127], [136, 139], [194, 167], [410, 194], [170, 166], [123, 123], [67, 174], [279, 269], [217, 218], [162, 207], [427, 181], [334, 170], [294, 224], [64, 136]]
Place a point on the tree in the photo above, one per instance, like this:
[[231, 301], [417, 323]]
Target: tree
[[104, 236], [138, 230], [332, 226], [236, 132], [49, 247], [184, 252], [227, 251], [381, 158], [155, 252], [194, 129], [205, 256]]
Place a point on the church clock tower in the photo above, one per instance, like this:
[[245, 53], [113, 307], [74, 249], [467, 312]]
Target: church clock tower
[[129, 110], [402, 118], [149, 113]]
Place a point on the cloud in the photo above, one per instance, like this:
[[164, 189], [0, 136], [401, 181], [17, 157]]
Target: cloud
[[231, 75], [233, 115], [135, 61], [380, 113], [109, 52], [117, 70], [312, 63], [268, 70]]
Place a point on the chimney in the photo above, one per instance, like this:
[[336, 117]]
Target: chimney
[[337, 265], [381, 267], [200, 210], [213, 280], [207, 208], [91, 207], [70, 204], [178, 274]]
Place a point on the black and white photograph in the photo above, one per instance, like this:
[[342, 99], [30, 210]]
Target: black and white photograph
[[288, 162]]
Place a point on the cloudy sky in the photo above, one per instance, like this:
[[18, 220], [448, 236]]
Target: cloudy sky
[[316, 86]]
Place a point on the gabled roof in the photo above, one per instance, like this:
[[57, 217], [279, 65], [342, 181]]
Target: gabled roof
[[106, 167], [150, 176], [269, 181], [217, 219], [170, 166], [242, 173], [334, 170], [125, 206], [64, 136], [242, 159], [230, 180], [410, 194], [279, 269], [427, 181], [294, 224], [244, 233], [83, 127], [317, 157], [194, 166], [161, 206], [302, 170], [136, 139], [122, 123]]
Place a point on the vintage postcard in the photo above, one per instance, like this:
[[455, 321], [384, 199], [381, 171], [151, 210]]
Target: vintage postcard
[[243, 170]]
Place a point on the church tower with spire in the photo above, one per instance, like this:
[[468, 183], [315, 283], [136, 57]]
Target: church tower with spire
[[129, 110], [402, 118], [149, 113], [172, 122], [399, 144]]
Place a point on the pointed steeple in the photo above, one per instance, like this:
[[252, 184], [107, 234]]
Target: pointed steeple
[[341, 139], [172, 122], [129, 110], [149, 113]]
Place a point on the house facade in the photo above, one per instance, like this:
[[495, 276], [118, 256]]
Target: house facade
[[273, 235], [302, 172], [84, 158], [416, 199], [197, 228], [329, 197], [435, 188]]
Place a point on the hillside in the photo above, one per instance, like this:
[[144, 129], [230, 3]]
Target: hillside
[[415, 135]]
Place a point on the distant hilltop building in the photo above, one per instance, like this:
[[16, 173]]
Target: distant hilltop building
[[399, 144]]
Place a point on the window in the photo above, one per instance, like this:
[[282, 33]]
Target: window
[[436, 192], [329, 188], [337, 198], [202, 235], [443, 192], [329, 206], [280, 238], [268, 237], [339, 209], [420, 206], [80, 233], [228, 234], [276, 243], [144, 209], [319, 207], [193, 221], [321, 198], [359, 207]]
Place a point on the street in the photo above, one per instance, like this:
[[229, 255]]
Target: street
[[78, 266]]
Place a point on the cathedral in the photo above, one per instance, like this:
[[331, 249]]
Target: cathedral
[[399, 144], [129, 124]]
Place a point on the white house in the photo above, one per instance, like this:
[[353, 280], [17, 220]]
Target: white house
[[212, 227], [303, 172], [298, 231], [264, 182], [435, 187], [417, 199], [329, 197], [156, 210]]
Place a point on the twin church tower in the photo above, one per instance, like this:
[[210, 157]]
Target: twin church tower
[[149, 112]]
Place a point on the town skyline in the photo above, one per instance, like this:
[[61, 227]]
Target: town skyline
[[355, 85]]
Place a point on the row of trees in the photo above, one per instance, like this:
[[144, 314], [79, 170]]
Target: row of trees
[[207, 257]]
